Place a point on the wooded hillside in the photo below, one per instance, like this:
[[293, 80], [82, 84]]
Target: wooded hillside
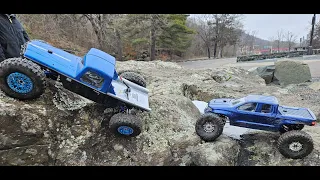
[[142, 36]]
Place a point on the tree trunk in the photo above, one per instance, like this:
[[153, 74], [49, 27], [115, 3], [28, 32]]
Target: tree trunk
[[119, 45], [234, 50], [221, 51], [216, 38], [97, 29], [278, 46], [99, 36], [215, 49], [153, 39], [208, 49], [289, 46]]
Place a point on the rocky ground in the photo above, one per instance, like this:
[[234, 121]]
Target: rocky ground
[[61, 128]]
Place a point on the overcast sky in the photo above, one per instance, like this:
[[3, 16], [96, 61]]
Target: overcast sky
[[267, 25]]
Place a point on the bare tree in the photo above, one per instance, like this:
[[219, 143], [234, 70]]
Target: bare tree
[[247, 41], [279, 39], [97, 25], [216, 23], [234, 40], [68, 31], [228, 33], [102, 24], [243, 42], [223, 27], [271, 42], [198, 47], [252, 39], [291, 38], [218, 31], [204, 31]]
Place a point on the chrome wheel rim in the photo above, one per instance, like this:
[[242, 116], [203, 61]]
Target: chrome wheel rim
[[295, 146], [208, 127]]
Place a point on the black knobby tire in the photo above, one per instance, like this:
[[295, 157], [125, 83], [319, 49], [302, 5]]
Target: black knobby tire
[[135, 78], [121, 120], [27, 68], [289, 143], [23, 48], [213, 120], [297, 127]]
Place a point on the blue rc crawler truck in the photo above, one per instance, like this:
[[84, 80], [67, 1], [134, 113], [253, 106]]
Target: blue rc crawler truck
[[92, 76], [263, 113]]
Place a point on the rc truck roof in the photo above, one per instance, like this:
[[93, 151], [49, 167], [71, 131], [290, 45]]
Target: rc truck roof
[[262, 99]]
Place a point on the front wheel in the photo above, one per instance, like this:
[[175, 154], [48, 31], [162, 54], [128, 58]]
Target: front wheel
[[21, 79], [295, 144], [209, 127], [125, 125]]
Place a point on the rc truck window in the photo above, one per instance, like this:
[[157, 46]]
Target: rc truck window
[[92, 78], [266, 108], [248, 107]]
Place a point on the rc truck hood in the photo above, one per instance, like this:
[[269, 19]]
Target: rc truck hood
[[220, 103]]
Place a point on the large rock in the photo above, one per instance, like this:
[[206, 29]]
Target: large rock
[[205, 84], [265, 72], [42, 131], [168, 132], [222, 152], [315, 86], [291, 72]]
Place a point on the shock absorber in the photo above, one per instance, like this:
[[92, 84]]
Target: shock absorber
[[286, 128]]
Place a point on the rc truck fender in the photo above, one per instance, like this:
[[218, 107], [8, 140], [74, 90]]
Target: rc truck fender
[[225, 113]]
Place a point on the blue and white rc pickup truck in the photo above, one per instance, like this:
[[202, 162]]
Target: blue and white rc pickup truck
[[92, 76], [263, 113]]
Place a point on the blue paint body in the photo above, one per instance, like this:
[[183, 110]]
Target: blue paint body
[[72, 66], [256, 119]]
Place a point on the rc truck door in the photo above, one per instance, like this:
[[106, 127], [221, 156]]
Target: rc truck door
[[266, 117], [245, 115]]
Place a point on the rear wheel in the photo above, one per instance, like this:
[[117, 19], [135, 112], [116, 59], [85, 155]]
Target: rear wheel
[[21, 79], [209, 127], [295, 144], [125, 125]]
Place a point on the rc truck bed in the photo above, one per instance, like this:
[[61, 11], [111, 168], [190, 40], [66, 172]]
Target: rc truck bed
[[296, 112], [57, 59]]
